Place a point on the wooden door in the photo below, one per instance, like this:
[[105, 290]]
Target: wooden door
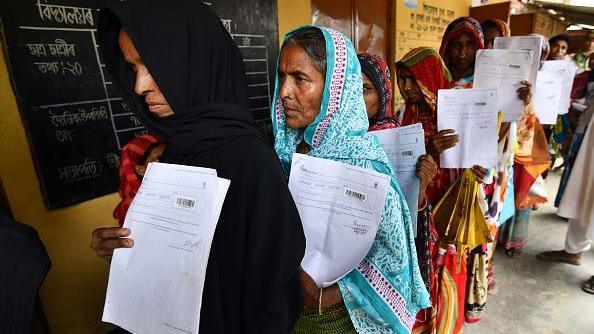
[[500, 11], [367, 23]]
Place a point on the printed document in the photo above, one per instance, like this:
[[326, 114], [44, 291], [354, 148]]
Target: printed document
[[547, 96], [532, 43], [472, 114], [156, 286], [404, 146], [565, 71], [340, 208], [505, 70]]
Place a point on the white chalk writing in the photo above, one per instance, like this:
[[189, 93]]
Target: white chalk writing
[[64, 136], [65, 14], [113, 161], [59, 67], [90, 168], [67, 118]]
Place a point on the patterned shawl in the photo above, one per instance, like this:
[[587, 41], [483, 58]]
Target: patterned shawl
[[384, 293], [430, 74], [458, 27], [133, 154], [378, 71]]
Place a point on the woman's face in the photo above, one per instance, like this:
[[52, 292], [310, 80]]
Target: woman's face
[[490, 34], [144, 84], [412, 92], [558, 50], [301, 86], [461, 52], [372, 100]]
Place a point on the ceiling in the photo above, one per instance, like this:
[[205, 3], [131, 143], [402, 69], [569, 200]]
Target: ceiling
[[572, 14]]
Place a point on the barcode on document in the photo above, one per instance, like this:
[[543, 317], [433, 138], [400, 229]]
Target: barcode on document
[[407, 153], [355, 194], [184, 202]]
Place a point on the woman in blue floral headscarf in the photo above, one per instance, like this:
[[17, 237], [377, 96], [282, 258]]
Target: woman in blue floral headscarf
[[319, 110]]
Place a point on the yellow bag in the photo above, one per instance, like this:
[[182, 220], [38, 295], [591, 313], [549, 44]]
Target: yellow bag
[[458, 216]]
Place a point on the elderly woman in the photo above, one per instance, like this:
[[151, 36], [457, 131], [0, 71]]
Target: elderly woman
[[319, 110], [185, 78]]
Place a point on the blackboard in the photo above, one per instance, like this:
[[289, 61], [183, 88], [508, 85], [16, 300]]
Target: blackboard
[[75, 118]]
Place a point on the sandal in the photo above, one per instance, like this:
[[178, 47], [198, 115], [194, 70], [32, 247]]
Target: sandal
[[513, 252], [589, 286], [558, 256]]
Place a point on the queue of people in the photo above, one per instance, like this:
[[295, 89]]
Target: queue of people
[[185, 77]]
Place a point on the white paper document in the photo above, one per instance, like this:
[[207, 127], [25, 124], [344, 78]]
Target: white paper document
[[156, 286], [505, 70], [404, 146], [472, 114], [340, 208], [565, 70], [547, 96], [532, 43]]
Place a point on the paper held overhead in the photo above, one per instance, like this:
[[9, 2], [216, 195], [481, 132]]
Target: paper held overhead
[[504, 70], [340, 207], [156, 286], [472, 114], [565, 70], [547, 96], [532, 43]]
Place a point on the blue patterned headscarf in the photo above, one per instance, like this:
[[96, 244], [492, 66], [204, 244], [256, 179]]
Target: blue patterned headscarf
[[384, 293]]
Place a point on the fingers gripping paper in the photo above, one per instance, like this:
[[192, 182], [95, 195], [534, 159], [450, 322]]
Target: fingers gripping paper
[[156, 286], [340, 207]]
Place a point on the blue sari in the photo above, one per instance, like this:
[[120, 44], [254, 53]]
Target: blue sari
[[385, 292]]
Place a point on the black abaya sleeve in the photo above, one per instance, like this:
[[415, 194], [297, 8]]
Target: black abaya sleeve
[[276, 245]]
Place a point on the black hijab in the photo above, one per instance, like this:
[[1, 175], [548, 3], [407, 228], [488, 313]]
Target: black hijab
[[196, 64], [252, 284]]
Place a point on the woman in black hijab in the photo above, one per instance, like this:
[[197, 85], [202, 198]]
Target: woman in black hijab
[[178, 65]]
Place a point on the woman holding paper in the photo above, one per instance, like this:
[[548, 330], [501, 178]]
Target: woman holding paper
[[531, 159], [377, 91], [319, 110], [186, 80], [420, 74]]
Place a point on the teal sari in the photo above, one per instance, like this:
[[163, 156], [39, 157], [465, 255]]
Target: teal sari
[[385, 292]]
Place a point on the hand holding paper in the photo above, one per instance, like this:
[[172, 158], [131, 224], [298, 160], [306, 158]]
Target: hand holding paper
[[505, 70], [471, 113], [156, 286], [404, 146], [340, 207]]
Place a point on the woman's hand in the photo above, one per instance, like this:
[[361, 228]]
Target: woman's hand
[[443, 140], [479, 173], [426, 170], [311, 293], [525, 92], [106, 239]]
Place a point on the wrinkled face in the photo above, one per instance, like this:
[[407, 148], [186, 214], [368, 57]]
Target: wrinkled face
[[372, 100], [144, 84], [490, 34], [558, 50], [461, 52], [301, 86], [412, 92]]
